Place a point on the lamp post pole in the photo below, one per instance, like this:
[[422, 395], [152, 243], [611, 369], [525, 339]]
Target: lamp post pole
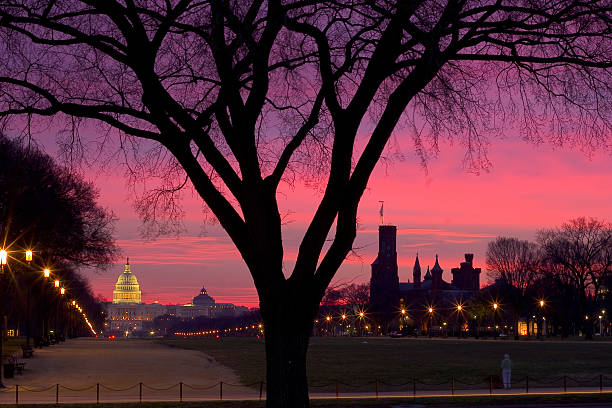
[[3, 261], [541, 320], [495, 306], [45, 323], [28, 258]]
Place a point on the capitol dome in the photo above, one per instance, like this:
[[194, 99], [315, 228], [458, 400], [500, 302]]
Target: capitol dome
[[127, 289], [203, 299]]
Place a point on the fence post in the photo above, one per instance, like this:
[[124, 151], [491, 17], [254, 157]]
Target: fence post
[[56, 394], [140, 392], [453, 385], [221, 390], [565, 383], [181, 391], [600, 382], [337, 389], [527, 385], [377, 388], [490, 384], [16, 394], [260, 389]]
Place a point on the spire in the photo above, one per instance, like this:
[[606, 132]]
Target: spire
[[127, 266], [428, 274], [127, 262], [417, 265], [382, 217], [436, 266]]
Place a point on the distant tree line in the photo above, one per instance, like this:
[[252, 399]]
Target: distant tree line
[[568, 268]]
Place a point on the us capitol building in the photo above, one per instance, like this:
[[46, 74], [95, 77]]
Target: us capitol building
[[127, 313]]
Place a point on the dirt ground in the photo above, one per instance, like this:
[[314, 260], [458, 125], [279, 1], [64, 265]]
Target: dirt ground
[[119, 363]]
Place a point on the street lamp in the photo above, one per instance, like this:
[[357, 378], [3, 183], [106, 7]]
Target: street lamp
[[495, 306], [459, 310], [3, 259], [47, 273], [57, 283], [430, 311], [541, 320], [28, 258]]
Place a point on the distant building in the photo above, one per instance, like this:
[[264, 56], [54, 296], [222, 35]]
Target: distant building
[[126, 313], [388, 295]]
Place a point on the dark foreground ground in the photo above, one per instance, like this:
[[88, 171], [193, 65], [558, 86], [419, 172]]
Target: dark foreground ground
[[574, 401], [356, 363]]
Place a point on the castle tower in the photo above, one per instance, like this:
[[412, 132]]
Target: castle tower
[[466, 277], [384, 283], [436, 275], [416, 273]]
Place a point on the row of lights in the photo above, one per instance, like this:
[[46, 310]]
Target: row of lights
[[47, 274], [218, 331]]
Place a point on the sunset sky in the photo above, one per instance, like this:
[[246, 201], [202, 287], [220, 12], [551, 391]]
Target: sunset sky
[[444, 210]]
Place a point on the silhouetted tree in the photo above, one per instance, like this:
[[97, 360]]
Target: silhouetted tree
[[243, 95], [580, 251], [352, 294], [46, 208], [514, 265]]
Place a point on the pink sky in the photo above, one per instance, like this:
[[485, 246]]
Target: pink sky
[[447, 211]]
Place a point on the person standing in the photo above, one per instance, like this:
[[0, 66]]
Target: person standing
[[506, 366]]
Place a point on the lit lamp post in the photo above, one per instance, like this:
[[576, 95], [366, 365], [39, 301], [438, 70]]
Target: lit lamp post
[[28, 259], [3, 261], [600, 317], [430, 311], [495, 306], [458, 324], [541, 319], [56, 284]]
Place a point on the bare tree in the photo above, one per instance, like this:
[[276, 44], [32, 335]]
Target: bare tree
[[580, 251], [514, 264], [513, 261], [244, 94]]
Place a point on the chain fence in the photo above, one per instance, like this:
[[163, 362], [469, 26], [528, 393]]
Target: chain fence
[[413, 387]]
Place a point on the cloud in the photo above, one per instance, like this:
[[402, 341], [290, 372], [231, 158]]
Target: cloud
[[417, 245]]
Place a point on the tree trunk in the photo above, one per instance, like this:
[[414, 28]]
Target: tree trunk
[[287, 334]]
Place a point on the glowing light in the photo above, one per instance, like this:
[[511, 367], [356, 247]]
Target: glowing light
[[56, 283], [343, 316], [73, 303], [403, 311], [63, 291], [459, 308], [495, 306], [28, 255], [361, 314], [47, 273], [328, 318], [541, 303], [430, 310], [3, 257]]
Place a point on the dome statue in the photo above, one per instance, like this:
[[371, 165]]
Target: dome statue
[[127, 289], [203, 299]]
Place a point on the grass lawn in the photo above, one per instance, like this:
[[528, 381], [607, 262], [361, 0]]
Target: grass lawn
[[360, 361]]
